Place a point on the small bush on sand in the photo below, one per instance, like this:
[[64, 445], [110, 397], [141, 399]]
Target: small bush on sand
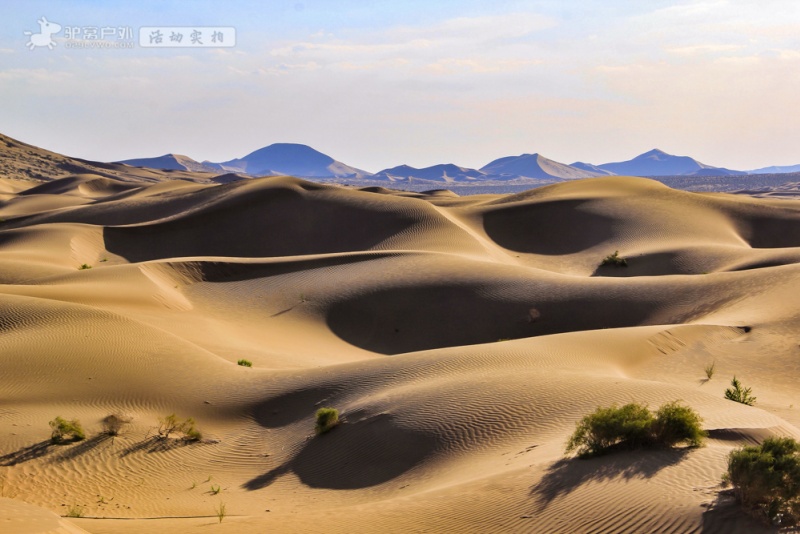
[[709, 369], [65, 431], [84, 266], [327, 418], [633, 426], [113, 423], [75, 511], [766, 479], [615, 260], [676, 424], [628, 426], [171, 425], [220, 511], [739, 393], [245, 363]]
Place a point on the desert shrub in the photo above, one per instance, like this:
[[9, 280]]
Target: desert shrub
[[709, 369], [75, 511], [113, 423], [614, 259], [245, 363], [739, 393], [84, 266], [628, 426], [633, 426], [172, 425], [327, 418], [675, 424], [65, 431], [766, 479], [220, 511]]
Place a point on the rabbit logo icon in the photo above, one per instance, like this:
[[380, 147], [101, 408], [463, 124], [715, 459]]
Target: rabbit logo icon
[[44, 37]]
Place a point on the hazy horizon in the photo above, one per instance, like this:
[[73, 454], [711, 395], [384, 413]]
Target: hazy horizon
[[376, 84]]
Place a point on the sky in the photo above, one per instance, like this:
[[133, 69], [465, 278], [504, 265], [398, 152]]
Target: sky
[[376, 84]]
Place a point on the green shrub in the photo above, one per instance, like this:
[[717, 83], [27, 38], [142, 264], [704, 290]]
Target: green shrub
[[677, 424], [171, 425], [614, 259], [628, 426], [65, 431], [739, 393], [75, 511], [221, 513], [84, 266], [327, 418], [766, 479], [633, 426], [245, 363]]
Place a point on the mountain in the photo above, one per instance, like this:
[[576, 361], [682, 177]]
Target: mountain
[[21, 161], [438, 173], [659, 163], [776, 170], [291, 159], [591, 168], [170, 162], [535, 166]]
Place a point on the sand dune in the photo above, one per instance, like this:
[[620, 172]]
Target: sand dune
[[461, 339]]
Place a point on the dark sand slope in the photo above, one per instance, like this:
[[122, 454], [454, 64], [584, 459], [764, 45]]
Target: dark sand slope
[[460, 338]]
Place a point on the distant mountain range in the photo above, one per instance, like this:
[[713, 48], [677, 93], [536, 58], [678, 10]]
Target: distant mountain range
[[659, 163], [304, 161], [776, 170]]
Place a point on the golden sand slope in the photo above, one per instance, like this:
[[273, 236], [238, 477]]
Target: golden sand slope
[[461, 338]]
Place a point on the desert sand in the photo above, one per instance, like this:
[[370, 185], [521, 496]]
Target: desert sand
[[461, 338]]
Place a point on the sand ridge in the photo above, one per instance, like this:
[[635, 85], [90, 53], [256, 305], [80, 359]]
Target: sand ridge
[[461, 339]]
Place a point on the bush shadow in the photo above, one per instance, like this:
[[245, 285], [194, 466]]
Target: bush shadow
[[26, 454], [82, 447], [724, 514], [568, 474], [155, 444]]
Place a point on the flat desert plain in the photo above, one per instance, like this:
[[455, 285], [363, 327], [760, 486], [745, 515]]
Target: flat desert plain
[[460, 338]]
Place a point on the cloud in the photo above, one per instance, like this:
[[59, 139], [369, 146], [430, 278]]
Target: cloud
[[703, 49], [480, 45]]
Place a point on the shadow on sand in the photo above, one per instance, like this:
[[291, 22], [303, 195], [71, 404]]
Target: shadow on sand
[[354, 455], [82, 447], [567, 474], [156, 444], [26, 454]]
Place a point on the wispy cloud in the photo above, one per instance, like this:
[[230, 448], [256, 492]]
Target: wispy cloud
[[703, 49]]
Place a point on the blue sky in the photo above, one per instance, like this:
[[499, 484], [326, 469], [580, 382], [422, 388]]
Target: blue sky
[[376, 84]]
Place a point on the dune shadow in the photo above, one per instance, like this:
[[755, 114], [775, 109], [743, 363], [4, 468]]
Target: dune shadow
[[274, 221], [568, 474], [394, 320], [291, 407], [354, 455], [551, 228], [26, 454]]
